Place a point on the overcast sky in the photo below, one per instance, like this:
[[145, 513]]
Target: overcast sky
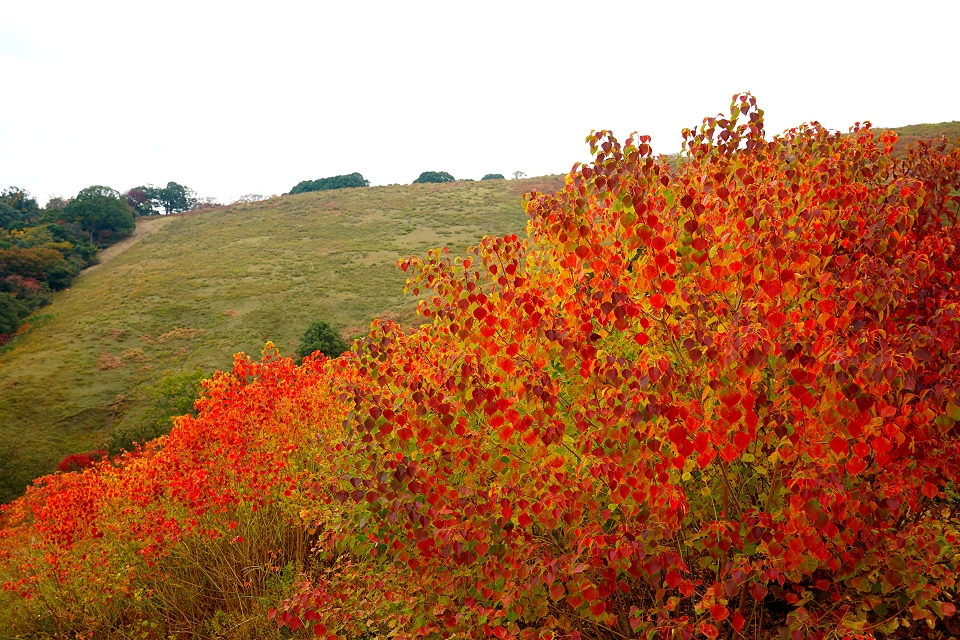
[[234, 97]]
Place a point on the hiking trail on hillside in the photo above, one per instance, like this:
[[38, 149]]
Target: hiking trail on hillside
[[145, 226]]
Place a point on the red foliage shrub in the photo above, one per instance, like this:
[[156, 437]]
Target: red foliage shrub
[[712, 399], [80, 461]]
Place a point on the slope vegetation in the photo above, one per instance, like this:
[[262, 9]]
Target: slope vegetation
[[209, 284], [910, 134]]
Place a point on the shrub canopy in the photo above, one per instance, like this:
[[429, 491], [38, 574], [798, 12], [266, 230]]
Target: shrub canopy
[[102, 212], [334, 182], [434, 176]]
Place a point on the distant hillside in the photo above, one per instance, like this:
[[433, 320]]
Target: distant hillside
[[915, 132], [209, 284]]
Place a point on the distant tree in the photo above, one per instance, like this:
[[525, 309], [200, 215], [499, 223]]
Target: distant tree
[[102, 212], [56, 203], [205, 203], [141, 201], [493, 176], [350, 180], [321, 337], [175, 198], [434, 176], [19, 199], [248, 198], [17, 207], [518, 174]]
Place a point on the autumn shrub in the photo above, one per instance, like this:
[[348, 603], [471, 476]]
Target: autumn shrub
[[198, 522], [712, 399], [79, 461]]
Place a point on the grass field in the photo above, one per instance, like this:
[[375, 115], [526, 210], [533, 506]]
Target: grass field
[[206, 285]]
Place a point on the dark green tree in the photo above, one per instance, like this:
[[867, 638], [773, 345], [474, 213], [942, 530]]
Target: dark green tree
[[12, 313], [17, 208], [434, 176], [175, 198], [102, 212], [321, 337], [493, 176], [334, 182]]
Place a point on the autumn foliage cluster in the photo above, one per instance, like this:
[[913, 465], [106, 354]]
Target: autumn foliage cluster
[[704, 399]]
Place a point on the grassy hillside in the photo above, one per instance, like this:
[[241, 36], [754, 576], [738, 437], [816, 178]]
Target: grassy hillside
[[915, 132], [207, 285]]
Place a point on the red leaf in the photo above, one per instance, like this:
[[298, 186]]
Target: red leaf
[[758, 591], [839, 445], [855, 465], [658, 301], [776, 318], [319, 629], [731, 399], [641, 339], [294, 623], [673, 579], [741, 439], [738, 621], [719, 612], [729, 453]]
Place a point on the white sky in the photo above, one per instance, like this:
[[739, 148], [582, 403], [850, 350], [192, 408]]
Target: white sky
[[238, 97]]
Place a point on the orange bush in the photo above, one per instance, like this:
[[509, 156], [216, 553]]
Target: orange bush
[[711, 400]]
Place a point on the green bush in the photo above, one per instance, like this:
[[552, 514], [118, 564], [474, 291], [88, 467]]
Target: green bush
[[12, 313], [321, 337], [493, 176], [101, 212], [434, 176], [328, 184], [174, 396]]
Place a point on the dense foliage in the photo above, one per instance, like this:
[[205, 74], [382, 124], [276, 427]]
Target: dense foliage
[[334, 182], [145, 200], [40, 252], [704, 400], [102, 212], [320, 336], [434, 176], [493, 176]]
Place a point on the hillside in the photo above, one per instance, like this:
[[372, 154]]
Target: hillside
[[916, 132], [207, 285]]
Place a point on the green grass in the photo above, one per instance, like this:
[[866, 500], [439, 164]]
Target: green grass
[[210, 284]]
